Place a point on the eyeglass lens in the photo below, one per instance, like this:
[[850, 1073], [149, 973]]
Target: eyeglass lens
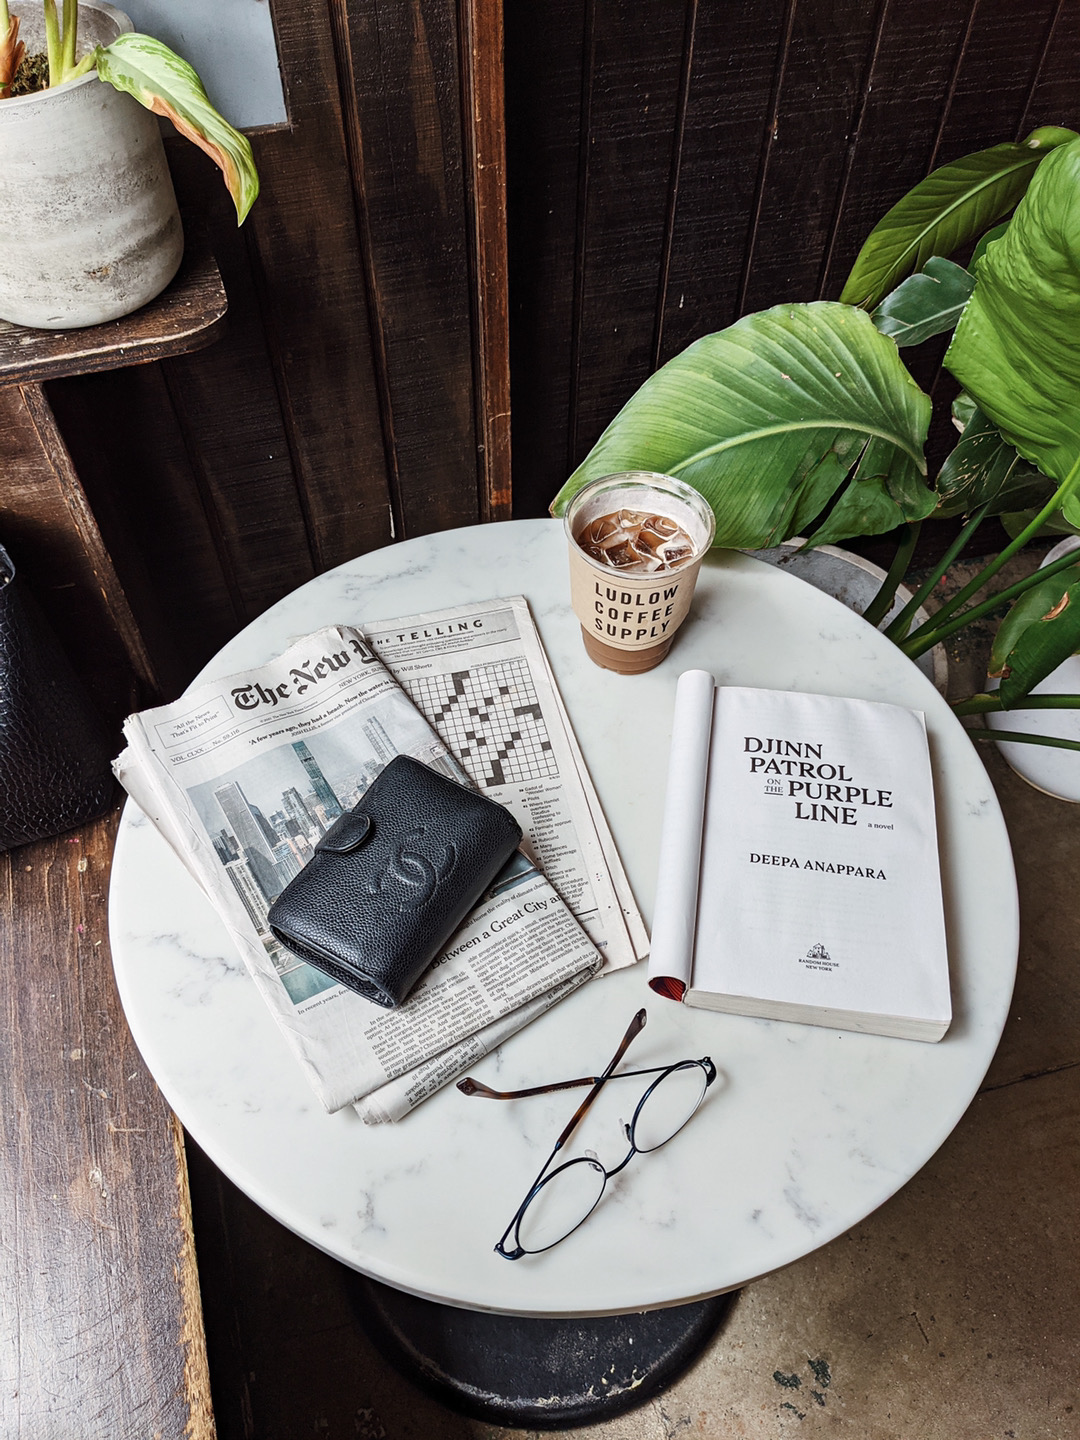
[[568, 1196], [667, 1105]]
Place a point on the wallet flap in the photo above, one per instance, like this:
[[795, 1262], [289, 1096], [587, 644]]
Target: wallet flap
[[347, 833]]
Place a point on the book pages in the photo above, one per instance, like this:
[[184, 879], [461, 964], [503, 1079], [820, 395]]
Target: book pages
[[675, 915]]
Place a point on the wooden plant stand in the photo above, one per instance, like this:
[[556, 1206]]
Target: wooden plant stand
[[46, 520]]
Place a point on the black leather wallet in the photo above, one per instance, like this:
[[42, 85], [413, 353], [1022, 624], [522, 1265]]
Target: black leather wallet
[[392, 879]]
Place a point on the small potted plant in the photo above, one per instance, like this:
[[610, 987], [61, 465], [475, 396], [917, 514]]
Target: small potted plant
[[803, 420], [89, 229]]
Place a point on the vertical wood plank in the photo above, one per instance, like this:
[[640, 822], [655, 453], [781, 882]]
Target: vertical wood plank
[[1005, 47], [101, 1331], [312, 283], [227, 406], [892, 149], [824, 74], [404, 64], [630, 122], [1053, 99], [545, 57], [481, 30], [731, 88]]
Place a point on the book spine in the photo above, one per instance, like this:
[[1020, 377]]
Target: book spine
[[675, 916]]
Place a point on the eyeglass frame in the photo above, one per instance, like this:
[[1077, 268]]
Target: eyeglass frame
[[469, 1086]]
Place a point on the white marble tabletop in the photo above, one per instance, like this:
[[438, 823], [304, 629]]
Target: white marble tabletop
[[806, 1130]]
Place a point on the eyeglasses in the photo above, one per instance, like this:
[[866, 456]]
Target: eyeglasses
[[560, 1200]]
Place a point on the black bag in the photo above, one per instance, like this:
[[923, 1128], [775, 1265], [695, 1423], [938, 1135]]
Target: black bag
[[392, 879], [55, 751]]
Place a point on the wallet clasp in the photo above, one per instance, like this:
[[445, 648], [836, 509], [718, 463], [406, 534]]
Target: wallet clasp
[[347, 833]]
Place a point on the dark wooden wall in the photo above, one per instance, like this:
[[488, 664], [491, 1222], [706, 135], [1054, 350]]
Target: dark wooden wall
[[670, 165], [674, 164], [360, 393]]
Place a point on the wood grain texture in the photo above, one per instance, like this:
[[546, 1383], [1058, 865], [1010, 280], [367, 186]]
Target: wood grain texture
[[632, 91], [101, 1330], [134, 464], [545, 68], [405, 82], [791, 127], [187, 316], [823, 71], [49, 528], [734, 90], [480, 28], [306, 254], [45, 513], [360, 392]]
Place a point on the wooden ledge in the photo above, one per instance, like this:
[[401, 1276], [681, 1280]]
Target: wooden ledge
[[187, 315]]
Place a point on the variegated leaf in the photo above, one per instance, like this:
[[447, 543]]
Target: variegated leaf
[[167, 85]]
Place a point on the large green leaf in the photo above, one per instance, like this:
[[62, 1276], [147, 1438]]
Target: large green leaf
[[168, 86], [988, 239], [1016, 347], [981, 468], [770, 417], [925, 304], [1015, 522], [953, 205], [1040, 631]]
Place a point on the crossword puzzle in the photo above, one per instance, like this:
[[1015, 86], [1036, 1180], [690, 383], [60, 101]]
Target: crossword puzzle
[[490, 719]]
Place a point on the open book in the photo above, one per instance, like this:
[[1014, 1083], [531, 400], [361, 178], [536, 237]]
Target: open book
[[799, 876]]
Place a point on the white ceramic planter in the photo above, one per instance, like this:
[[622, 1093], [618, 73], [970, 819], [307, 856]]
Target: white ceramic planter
[[1054, 771], [89, 228], [853, 581]]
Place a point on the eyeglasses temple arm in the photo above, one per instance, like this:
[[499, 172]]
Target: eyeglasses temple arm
[[470, 1086], [633, 1029]]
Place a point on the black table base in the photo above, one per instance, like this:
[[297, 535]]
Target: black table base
[[535, 1374]]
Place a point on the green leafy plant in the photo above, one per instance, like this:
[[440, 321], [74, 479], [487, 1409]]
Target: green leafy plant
[[151, 72], [804, 420]]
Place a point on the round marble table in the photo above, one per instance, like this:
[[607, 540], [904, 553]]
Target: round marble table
[[807, 1129]]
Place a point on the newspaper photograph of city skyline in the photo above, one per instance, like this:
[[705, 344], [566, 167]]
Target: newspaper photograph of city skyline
[[265, 817]]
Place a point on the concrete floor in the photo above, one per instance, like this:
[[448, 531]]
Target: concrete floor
[[952, 1313]]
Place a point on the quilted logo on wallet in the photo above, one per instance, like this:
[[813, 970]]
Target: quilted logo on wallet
[[412, 876]]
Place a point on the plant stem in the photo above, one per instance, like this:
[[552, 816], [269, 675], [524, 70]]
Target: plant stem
[[925, 639], [5, 19], [1024, 737], [899, 627], [1056, 501], [878, 608], [71, 27], [983, 704], [53, 43], [85, 65]]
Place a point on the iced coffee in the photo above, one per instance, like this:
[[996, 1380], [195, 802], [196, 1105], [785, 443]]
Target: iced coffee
[[636, 542], [631, 540]]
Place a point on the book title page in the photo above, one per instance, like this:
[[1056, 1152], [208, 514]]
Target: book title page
[[819, 880]]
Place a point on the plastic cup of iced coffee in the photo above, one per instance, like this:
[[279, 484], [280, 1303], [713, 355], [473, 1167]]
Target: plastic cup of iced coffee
[[636, 542]]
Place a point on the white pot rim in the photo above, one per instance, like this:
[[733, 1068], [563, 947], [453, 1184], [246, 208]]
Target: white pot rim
[[124, 26]]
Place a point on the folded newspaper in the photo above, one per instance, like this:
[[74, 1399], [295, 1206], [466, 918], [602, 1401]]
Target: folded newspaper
[[244, 774]]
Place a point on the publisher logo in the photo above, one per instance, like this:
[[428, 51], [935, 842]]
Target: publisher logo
[[818, 958]]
